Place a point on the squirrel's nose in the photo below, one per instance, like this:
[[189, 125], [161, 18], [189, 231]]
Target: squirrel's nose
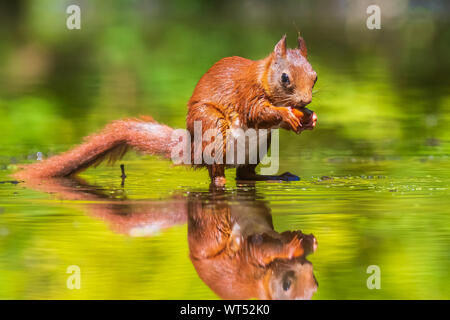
[[305, 100]]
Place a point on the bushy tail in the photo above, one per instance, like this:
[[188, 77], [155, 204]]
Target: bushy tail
[[144, 135]]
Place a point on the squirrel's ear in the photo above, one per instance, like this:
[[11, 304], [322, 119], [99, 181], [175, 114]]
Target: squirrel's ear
[[280, 48], [302, 46]]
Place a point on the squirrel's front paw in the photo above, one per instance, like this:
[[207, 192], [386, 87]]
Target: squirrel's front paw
[[291, 119]]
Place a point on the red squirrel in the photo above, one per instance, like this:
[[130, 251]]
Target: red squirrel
[[235, 93]]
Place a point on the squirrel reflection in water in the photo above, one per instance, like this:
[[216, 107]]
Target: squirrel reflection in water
[[239, 255], [232, 242]]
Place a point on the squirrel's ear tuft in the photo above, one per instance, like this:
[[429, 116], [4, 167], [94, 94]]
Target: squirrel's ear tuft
[[302, 46], [280, 48]]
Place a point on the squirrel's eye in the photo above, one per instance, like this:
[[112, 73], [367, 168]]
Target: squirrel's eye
[[286, 284], [285, 78]]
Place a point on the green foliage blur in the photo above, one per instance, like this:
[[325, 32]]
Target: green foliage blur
[[381, 92]]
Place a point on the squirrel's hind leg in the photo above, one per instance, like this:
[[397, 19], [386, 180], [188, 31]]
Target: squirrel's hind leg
[[210, 116], [248, 173]]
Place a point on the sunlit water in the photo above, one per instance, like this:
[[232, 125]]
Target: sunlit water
[[132, 241]]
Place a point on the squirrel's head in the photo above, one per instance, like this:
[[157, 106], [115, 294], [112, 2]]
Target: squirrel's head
[[290, 77]]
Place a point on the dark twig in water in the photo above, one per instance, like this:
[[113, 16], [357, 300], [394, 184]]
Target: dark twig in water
[[123, 176], [10, 181]]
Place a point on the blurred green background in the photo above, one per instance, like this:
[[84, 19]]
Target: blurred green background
[[383, 105]]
